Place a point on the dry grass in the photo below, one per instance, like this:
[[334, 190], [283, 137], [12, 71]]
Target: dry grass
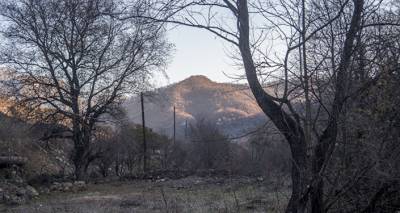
[[184, 195]]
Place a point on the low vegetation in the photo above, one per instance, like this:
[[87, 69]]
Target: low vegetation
[[190, 194]]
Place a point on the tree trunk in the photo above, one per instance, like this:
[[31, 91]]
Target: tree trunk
[[326, 142], [81, 155], [81, 163], [284, 122]]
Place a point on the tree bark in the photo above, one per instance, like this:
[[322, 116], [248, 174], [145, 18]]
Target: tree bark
[[82, 153], [289, 127], [326, 142], [292, 131]]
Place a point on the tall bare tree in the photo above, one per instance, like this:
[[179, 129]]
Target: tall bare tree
[[316, 67], [72, 58]]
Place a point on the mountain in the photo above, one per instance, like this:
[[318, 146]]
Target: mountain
[[231, 106]]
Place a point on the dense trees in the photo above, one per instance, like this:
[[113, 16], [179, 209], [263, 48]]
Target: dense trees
[[76, 61], [210, 148], [119, 150]]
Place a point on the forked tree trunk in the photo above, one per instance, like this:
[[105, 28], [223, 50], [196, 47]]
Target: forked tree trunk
[[292, 131], [306, 175]]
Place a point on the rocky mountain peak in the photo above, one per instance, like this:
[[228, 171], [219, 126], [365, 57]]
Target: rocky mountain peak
[[197, 80]]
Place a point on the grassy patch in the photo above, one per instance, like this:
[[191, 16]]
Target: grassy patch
[[185, 195]]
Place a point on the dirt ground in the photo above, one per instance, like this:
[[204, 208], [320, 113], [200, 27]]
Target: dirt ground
[[190, 194]]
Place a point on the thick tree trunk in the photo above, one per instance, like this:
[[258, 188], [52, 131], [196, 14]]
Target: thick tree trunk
[[284, 122], [298, 202], [81, 163], [82, 153], [290, 128], [80, 171]]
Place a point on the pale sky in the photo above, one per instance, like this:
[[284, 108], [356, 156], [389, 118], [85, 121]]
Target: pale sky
[[198, 52]]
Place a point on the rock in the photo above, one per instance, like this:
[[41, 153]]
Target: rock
[[79, 186], [15, 200], [5, 197], [260, 179], [161, 180], [67, 186], [53, 188], [2, 193], [12, 194], [31, 192], [44, 190], [20, 192], [18, 180], [79, 183], [56, 187]]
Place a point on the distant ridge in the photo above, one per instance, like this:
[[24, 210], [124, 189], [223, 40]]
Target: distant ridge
[[199, 79], [231, 106]]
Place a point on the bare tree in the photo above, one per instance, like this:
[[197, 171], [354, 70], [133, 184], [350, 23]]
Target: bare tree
[[74, 60], [316, 68], [210, 145]]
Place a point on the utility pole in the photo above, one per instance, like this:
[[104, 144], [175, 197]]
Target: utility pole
[[144, 136], [174, 126], [186, 129]]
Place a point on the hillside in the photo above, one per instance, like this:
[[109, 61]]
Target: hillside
[[231, 106]]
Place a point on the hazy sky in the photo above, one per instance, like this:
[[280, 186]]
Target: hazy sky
[[198, 52]]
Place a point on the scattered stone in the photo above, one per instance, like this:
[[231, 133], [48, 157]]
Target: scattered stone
[[56, 187], [1, 195], [16, 195], [44, 190], [161, 180], [14, 200], [79, 186], [20, 192], [81, 183], [31, 192], [67, 186]]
